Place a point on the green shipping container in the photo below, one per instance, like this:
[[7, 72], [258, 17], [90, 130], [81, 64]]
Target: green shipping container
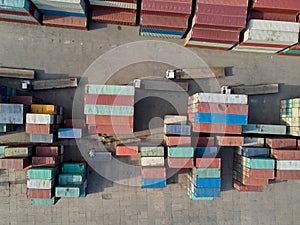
[[152, 151], [66, 179], [258, 163], [2, 151], [193, 197], [74, 168], [18, 152], [181, 152], [42, 201], [114, 110], [296, 102], [207, 172], [109, 89], [264, 129], [41, 173], [70, 191]]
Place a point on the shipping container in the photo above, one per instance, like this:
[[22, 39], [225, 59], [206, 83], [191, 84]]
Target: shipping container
[[264, 129], [153, 172], [42, 138], [73, 22], [287, 143], [110, 129], [177, 141], [221, 118], [257, 163], [181, 152], [174, 129], [283, 154], [74, 168], [40, 128], [193, 197], [67, 179], [217, 128], [175, 119], [229, 140], [98, 156], [220, 108], [207, 182], [40, 193], [109, 89], [46, 161], [74, 123], [253, 151], [108, 110], [42, 172], [11, 118], [164, 22], [245, 188], [40, 184], [109, 120], [152, 151], [206, 152], [208, 162], [249, 181], [40, 201], [103, 15], [39, 118], [167, 7], [17, 152], [70, 191], [180, 163], [126, 150], [288, 174], [49, 150], [254, 141], [288, 6], [69, 133], [203, 141], [152, 161], [43, 109], [254, 173], [154, 182], [206, 172], [220, 98], [109, 99], [17, 163], [288, 164]]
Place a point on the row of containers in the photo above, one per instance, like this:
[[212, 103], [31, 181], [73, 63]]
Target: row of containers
[[242, 25]]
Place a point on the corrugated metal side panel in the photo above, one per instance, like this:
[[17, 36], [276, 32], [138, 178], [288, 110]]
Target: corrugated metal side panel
[[46, 161], [11, 108], [264, 129], [109, 99], [108, 110], [42, 138], [216, 9], [115, 4], [254, 141], [221, 118], [181, 152], [175, 119], [203, 141], [254, 173], [165, 22], [40, 128], [154, 182], [245, 188], [152, 151], [174, 129], [40, 193], [208, 163], [220, 108], [180, 163], [272, 16], [229, 141], [167, 7], [217, 128], [152, 161], [73, 168], [62, 6], [69, 133], [177, 141], [26, 100], [252, 151], [40, 184], [269, 25], [288, 164], [67, 179], [109, 89], [249, 181], [109, 119], [282, 154], [18, 163], [206, 44], [40, 201], [39, 118], [288, 143], [18, 152], [127, 150], [206, 152], [49, 150], [227, 2], [157, 32], [42, 172], [153, 172], [206, 173], [287, 174], [110, 129], [287, 6]]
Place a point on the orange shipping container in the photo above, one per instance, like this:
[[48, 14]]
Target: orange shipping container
[[126, 150], [208, 163], [110, 129], [41, 128], [229, 141], [178, 141]]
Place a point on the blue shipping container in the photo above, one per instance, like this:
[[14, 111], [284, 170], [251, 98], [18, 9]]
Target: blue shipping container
[[205, 152], [207, 182], [69, 133], [100, 156], [174, 129], [221, 118], [206, 192], [154, 183], [254, 152]]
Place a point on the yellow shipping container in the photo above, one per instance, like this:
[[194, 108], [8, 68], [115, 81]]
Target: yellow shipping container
[[43, 109], [17, 152]]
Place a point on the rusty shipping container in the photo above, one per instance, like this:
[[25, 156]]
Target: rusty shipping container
[[177, 141], [245, 188], [207, 162], [217, 128], [272, 16], [287, 143], [249, 180], [46, 161], [40, 193], [126, 150], [229, 141], [180, 162], [17, 163], [108, 120], [255, 173], [26, 100], [221, 9], [287, 6], [164, 22], [153, 172], [282, 154], [168, 7], [221, 108], [65, 21], [41, 128], [287, 174], [108, 99], [110, 129], [49, 150]]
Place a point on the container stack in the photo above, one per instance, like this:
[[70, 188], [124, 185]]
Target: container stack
[[217, 24], [252, 168], [122, 12], [178, 140], [290, 115], [43, 122], [167, 19], [72, 181], [218, 113], [21, 11], [42, 177], [16, 158], [153, 170], [287, 158], [125, 150], [259, 36], [73, 128], [109, 109], [11, 115], [63, 13]]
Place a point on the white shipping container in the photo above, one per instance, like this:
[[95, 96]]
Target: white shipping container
[[172, 119], [244, 48], [152, 161], [220, 98], [288, 164], [254, 141], [73, 6], [40, 183], [114, 4], [208, 44], [272, 25], [33, 118]]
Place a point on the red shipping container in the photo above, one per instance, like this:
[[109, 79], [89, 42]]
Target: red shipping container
[[109, 99], [108, 120], [167, 7], [178, 23], [153, 172], [41, 128], [110, 129], [245, 188], [74, 123], [263, 45], [221, 108], [287, 174], [257, 173], [26, 100], [208, 163], [113, 9], [45, 161], [80, 23], [203, 141], [48, 150], [40, 193], [251, 181], [217, 128], [221, 9], [180, 162], [177, 141], [286, 6], [272, 16], [229, 141], [227, 2], [16, 163], [282, 154], [127, 150], [287, 143]]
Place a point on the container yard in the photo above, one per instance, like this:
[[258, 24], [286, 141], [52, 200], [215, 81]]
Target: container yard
[[149, 112]]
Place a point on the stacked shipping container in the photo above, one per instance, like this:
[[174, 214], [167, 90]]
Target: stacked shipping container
[[43, 122], [73, 128], [16, 158], [122, 12], [11, 114], [72, 181], [42, 177], [218, 113], [217, 24], [22, 11], [290, 115], [167, 19], [153, 170], [109, 109]]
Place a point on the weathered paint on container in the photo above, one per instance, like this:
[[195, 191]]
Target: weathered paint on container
[[220, 108], [288, 164], [220, 98], [206, 172], [69, 133], [258, 163], [152, 151], [74, 168], [206, 152], [217, 128], [181, 152], [287, 143], [175, 119], [17, 163], [65, 21], [221, 118], [167, 7], [164, 22], [152, 161], [108, 110], [229, 140], [42, 172], [203, 141], [253, 151], [177, 141], [40, 201], [264, 129], [254, 141], [46, 161], [40, 193], [208, 163], [40, 183], [109, 89], [282, 154], [66, 179], [41, 128], [153, 172], [109, 99], [288, 6], [126, 150], [18, 152], [154, 182], [175, 129], [49, 150], [245, 188], [180, 163]]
